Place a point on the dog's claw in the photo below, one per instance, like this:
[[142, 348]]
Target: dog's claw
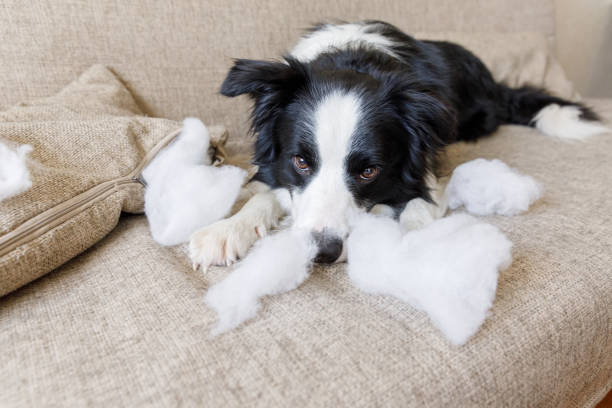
[[195, 266], [225, 242]]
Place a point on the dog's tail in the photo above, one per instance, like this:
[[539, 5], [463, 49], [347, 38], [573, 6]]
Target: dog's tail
[[553, 116]]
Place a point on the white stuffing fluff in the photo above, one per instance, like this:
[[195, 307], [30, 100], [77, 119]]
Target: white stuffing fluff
[[564, 122], [184, 192], [448, 269], [486, 187], [277, 263], [14, 174]]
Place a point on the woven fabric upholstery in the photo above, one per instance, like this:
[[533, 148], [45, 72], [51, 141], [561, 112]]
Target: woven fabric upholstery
[[89, 133], [125, 323], [173, 56]]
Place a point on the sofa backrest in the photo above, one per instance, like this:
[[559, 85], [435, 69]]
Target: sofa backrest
[[174, 54]]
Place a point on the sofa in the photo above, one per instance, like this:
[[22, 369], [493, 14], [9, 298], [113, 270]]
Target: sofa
[[124, 323]]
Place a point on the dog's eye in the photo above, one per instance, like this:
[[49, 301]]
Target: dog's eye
[[369, 173], [301, 164]]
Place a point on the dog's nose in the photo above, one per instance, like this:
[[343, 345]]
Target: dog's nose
[[329, 247]]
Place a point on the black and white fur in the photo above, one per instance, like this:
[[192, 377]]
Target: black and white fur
[[355, 100]]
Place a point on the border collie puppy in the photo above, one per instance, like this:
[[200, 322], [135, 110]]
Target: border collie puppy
[[352, 120]]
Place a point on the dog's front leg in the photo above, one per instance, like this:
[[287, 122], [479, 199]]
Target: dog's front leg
[[228, 240]]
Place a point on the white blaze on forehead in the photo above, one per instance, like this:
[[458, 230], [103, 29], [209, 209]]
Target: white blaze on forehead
[[326, 200], [335, 121], [340, 37]]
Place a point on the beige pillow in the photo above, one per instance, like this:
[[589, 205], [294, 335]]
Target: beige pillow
[[90, 143]]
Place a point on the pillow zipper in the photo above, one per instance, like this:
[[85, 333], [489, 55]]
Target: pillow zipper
[[51, 218]]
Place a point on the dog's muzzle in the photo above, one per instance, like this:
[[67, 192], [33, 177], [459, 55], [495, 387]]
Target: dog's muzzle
[[329, 246]]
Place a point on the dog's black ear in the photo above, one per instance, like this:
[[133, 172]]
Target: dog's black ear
[[257, 78], [270, 84]]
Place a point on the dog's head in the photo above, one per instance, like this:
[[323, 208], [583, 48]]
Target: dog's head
[[337, 140]]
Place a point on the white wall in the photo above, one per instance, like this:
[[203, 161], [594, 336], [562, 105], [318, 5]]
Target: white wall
[[584, 44]]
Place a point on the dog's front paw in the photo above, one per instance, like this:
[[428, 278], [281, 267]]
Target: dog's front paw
[[225, 241], [417, 214]]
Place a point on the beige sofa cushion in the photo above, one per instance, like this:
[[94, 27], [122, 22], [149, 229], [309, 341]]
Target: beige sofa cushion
[[125, 323], [90, 142], [174, 56]]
